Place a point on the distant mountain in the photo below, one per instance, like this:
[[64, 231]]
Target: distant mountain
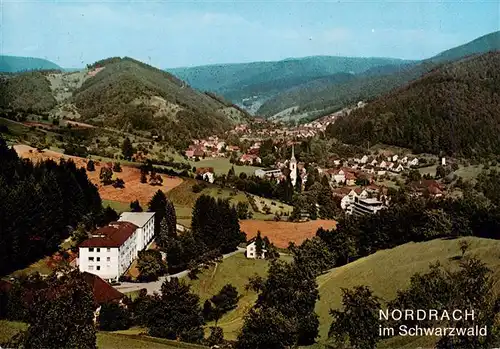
[[14, 64], [238, 82], [325, 95], [483, 44], [451, 110]]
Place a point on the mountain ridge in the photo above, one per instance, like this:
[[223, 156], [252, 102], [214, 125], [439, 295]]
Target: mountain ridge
[[384, 81], [15, 64]]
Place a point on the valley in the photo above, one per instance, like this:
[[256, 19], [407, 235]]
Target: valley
[[154, 198]]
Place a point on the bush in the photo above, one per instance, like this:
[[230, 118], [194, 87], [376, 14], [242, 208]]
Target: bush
[[119, 183], [114, 317], [198, 187], [117, 167]]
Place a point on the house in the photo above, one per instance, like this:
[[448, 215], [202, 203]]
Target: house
[[102, 291], [348, 195], [364, 159], [252, 250], [383, 164], [404, 160], [390, 165], [368, 169], [413, 162], [374, 162], [109, 252], [250, 159], [207, 173], [428, 187], [350, 178], [398, 168], [337, 176], [395, 158]]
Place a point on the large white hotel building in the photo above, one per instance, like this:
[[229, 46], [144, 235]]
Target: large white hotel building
[[109, 252]]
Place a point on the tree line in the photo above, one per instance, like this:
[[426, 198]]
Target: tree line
[[38, 205]]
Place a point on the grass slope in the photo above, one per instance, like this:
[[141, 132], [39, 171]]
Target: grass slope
[[385, 272], [184, 199], [107, 340], [388, 271], [235, 270]]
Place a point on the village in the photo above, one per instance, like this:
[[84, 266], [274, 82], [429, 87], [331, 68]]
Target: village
[[360, 183]]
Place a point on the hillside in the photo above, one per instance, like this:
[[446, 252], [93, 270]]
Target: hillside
[[14, 64], [330, 95], [123, 94], [128, 93], [260, 80], [444, 111], [385, 272], [28, 92]]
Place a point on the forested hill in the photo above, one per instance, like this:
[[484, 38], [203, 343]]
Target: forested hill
[[327, 94], [483, 44], [13, 64], [128, 93], [453, 109], [237, 81]]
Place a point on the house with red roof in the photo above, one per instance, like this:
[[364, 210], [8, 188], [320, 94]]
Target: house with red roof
[[427, 187], [250, 159]]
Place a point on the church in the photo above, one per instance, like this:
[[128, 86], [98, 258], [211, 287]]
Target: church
[[293, 167]]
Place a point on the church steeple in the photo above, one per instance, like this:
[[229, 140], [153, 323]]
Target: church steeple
[[293, 167]]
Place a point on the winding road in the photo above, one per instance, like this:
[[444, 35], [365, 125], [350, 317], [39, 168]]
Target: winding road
[[155, 286]]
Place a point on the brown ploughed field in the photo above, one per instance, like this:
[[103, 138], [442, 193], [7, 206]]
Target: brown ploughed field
[[134, 189], [281, 233]]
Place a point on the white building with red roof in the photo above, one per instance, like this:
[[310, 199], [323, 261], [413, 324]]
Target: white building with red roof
[[110, 250]]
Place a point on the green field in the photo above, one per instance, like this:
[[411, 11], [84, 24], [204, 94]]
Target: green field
[[388, 271], [222, 166], [385, 272], [184, 199], [119, 207], [235, 270], [129, 339]]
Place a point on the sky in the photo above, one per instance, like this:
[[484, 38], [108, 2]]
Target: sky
[[170, 34]]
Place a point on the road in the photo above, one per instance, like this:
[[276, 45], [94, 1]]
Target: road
[[155, 286]]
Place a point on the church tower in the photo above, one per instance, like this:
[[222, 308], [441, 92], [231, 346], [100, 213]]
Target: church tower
[[293, 168]]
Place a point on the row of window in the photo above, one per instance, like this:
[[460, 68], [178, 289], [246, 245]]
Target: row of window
[[97, 267], [91, 259], [98, 249]]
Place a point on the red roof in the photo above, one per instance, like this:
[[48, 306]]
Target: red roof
[[202, 170], [349, 175], [103, 292], [112, 235]]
